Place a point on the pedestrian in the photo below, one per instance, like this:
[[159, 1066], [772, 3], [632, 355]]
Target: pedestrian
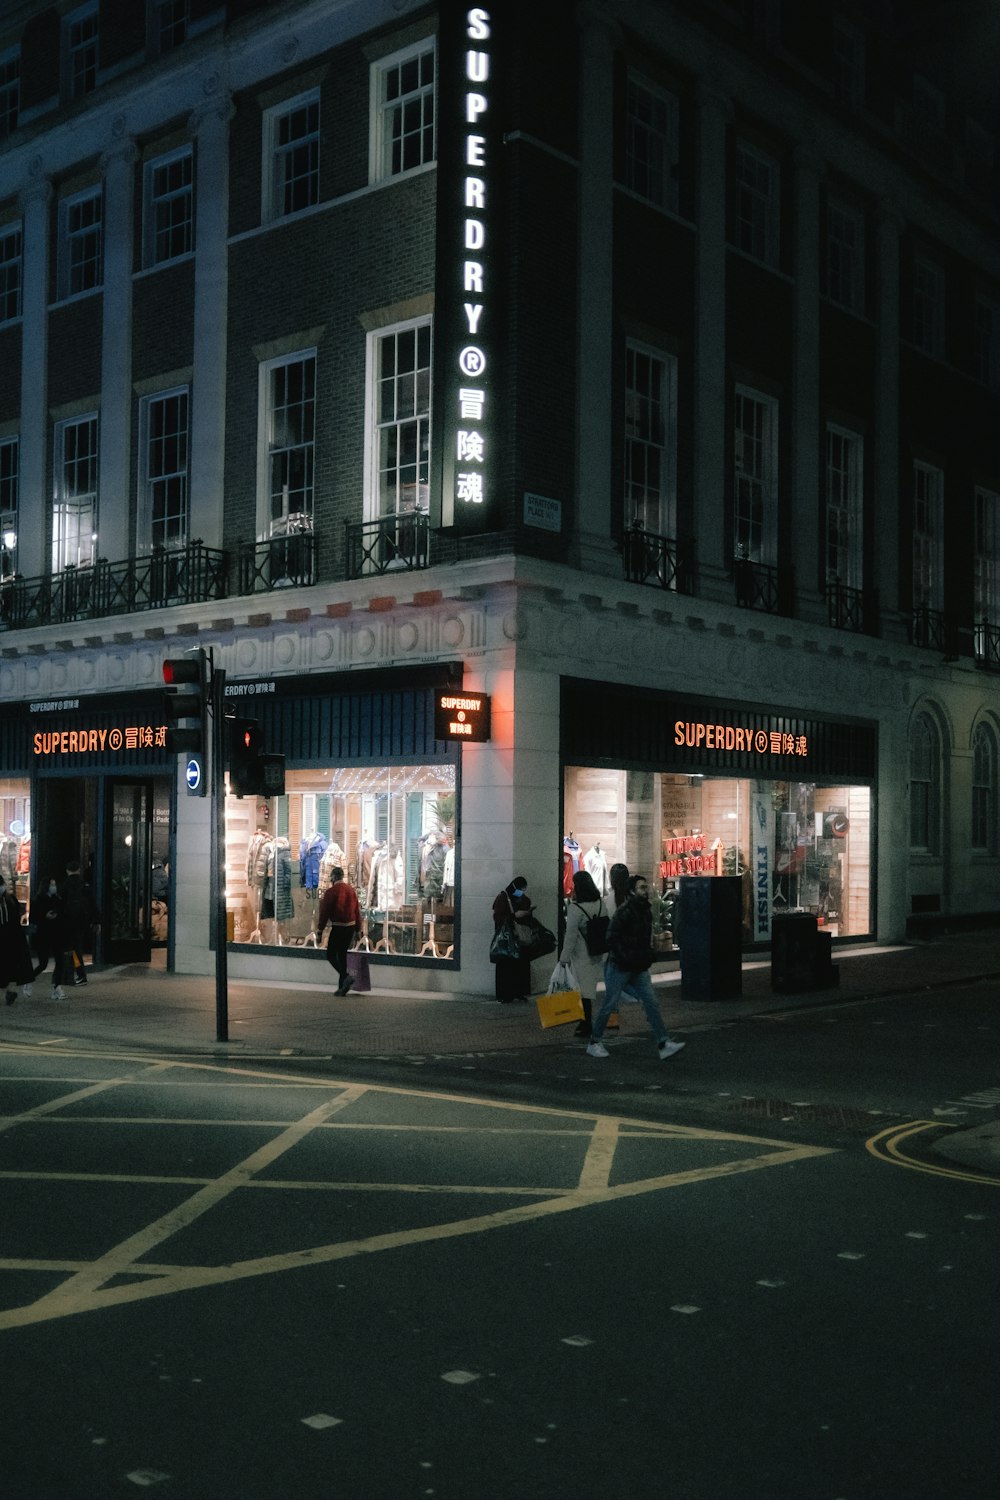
[[15, 958], [339, 906], [513, 975], [585, 903], [630, 953], [619, 878], [48, 918], [81, 916]]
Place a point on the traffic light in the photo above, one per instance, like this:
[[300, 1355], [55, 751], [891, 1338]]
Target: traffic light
[[185, 703], [245, 745]]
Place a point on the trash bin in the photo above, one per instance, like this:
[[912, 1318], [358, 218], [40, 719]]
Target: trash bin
[[711, 909], [801, 955]]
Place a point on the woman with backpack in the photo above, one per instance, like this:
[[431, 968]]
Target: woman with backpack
[[586, 917]]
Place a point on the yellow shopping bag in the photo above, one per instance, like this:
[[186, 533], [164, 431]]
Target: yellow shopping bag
[[560, 1008]]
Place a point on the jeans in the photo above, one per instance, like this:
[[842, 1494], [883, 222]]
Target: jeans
[[637, 984]]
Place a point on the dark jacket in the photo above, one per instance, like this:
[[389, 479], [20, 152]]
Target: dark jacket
[[79, 908], [630, 935], [48, 918], [15, 960]]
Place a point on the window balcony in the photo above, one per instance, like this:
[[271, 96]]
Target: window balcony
[[852, 609], [759, 586], [933, 629], [395, 543], [188, 575], [281, 562], [661, 561], [987, 645]]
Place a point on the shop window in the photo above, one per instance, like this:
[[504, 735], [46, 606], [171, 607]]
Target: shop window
[[164, 427], [10, 91], [291, 156], [651, 143], [845, 256], [984, 790], [755, 479], [650, 440], [168, 208], [390, 828], [80, 243], [925, 786], [757, 205], [74, 520], [10, 272], [403, 112], [15, 838], [80, 48], [810, 844], [9, 499]]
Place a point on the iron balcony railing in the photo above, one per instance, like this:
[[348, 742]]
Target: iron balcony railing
[[987, 645], [398, 542], [852, 609], [934, 629], [280, 562], [758, 586], [188, 575], [661, 561]]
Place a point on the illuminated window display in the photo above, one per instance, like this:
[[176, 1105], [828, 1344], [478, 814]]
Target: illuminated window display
[[390, 828], [809, 843], [15, 838]]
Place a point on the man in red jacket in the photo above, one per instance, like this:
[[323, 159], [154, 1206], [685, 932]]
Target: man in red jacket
[[339, 906]]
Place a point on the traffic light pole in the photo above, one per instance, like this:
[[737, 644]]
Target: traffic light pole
[[218, 763]]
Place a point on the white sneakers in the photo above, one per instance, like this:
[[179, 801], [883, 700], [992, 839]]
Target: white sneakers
[[597, 1049], [667, 1049], [58, 993]]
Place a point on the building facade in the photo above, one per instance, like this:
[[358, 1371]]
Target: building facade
[[633, 367]]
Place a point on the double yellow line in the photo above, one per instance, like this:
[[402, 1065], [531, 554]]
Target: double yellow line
[[887, 1146]]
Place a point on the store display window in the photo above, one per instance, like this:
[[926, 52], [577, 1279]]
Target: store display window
[[799, 846], [15, 838], [391, 829]]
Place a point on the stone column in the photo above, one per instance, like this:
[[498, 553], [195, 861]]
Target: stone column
[[713, 547], [35, 496], [885, 553], [210, 126], [595, 503], [115, 469], [805, 511]]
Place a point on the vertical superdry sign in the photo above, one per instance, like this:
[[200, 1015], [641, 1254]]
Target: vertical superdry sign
[[466, 292]]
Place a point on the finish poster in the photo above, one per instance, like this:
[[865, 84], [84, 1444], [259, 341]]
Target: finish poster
[[761, 856]]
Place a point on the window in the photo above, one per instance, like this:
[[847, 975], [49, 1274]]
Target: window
[[928, 306], [925, 781], [844, 506], [755, 476], [988, 342], [9, 486], [10, 91], [291, 157], [168, 25], [845, 256], [74, 521], [986, 574], [928, 500], [984, 789], [650, 439], [757, 205], [651, 143], [80, 266], [80, 52], [403, 114], [847, 65], [168, 225], [289, 396], [10, 272], [164, 427], [402, 431]]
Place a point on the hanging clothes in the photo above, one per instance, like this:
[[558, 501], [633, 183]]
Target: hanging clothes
[[311, 850], [571, 863], [596, 865], [284, 909]]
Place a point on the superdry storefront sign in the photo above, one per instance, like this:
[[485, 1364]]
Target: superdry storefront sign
[[75, 734], [465, 304]]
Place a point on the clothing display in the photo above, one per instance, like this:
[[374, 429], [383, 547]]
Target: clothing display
[[10, 848], [311, 850], [596, 865], [572, 861]]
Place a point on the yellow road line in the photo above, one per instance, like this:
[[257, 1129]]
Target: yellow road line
[[886, 1147]]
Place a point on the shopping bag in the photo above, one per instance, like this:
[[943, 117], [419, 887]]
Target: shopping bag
[[559, 1008], [357, 967], [534, 939], [505, 943]]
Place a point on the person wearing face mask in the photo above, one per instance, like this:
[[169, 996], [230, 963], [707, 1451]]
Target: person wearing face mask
[[49, 917], [15, 959], [513, 975]]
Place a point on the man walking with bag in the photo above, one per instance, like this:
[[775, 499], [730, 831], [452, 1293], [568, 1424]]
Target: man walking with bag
[[339, 906], [630, 953]]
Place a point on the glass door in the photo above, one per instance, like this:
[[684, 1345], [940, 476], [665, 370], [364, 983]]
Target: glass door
[[128, 867]]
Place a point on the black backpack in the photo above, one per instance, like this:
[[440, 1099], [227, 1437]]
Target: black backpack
[[595, 933]]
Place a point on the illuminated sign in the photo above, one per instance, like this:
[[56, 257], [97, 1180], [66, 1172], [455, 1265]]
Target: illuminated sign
[[462, 716], [697, 735], [60, 744], [465, 316]]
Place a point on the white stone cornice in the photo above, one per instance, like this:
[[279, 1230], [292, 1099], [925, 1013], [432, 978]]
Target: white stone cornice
[[215, 113]]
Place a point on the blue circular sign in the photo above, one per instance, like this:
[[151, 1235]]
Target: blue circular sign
[[192, 774]]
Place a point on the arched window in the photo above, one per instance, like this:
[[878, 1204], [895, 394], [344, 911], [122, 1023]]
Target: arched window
[[925, 785], [984, 789]]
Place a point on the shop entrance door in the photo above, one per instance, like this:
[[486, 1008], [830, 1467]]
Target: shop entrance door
[[128, 921]]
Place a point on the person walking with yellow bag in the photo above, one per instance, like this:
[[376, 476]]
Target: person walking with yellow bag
[[586, 917]]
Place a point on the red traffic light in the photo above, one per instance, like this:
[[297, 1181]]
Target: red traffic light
[[182, 669]]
